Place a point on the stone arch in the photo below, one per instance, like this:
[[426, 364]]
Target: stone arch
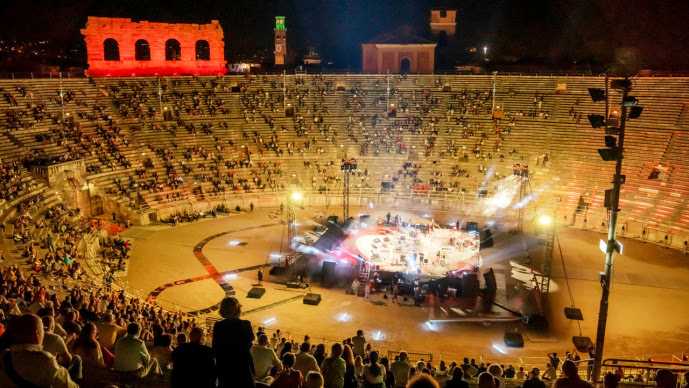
[[203, 50], [111, 50], [142, 51], [173, 50], [405, 65]]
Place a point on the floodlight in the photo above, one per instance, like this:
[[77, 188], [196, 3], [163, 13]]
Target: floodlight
[[630, 101], [635, 112], [596, 121], [596, 94], [545, 220], [296, 196], [608, 154], [610, 141]]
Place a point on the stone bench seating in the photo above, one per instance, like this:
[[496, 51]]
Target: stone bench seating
[[574, 168]]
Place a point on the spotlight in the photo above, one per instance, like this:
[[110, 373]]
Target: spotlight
[[630, 101], [545, 220], [596, 94], [296, 196], [608, 154], [635, 112], [597, 121], [378, 335], [610, 141]]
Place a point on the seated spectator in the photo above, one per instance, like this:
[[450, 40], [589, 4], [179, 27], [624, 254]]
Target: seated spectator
[[162, 352], [232, 339], [305, 362], [334, 368], [265, 360], [55, 345], [193, 364], [374, 372], [131, 355], [571, 377], [422, 380], [457, 380], [88, 348], [26, 364], [109, 331], [289, 377]]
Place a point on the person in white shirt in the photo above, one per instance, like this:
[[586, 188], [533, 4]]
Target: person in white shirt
[[374, 372], [264, 360], [26, 363], [359, 344], [305, 362]]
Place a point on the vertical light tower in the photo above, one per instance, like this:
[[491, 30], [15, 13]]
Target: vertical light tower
[[280, 41]]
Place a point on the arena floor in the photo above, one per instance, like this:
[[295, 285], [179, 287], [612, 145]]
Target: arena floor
[[649, 305]]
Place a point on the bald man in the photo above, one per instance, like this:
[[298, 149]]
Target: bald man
[[26, 363]]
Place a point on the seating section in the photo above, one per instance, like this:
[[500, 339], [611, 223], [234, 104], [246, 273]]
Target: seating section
[[152, 144]]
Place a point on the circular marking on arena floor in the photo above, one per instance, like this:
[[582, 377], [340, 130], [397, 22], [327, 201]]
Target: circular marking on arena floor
[[212, 272]]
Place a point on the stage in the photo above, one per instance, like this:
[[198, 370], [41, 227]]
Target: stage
[[649, 281], [412, 245]]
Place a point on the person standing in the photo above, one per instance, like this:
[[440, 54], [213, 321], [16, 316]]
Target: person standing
[[400, 369], [232, 339], [334, 368], [192, 363], [359, 343]]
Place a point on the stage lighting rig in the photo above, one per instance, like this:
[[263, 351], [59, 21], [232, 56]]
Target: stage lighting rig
[[348, 165]]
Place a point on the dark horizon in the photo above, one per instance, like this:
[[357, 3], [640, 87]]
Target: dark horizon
[[553, 32]]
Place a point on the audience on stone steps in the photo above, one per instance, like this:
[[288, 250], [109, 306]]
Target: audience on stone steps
[[376, 137]]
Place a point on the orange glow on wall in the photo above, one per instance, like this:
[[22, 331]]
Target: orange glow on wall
[[121, 47]]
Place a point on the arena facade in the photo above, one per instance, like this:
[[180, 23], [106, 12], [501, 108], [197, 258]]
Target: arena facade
[[198, 175]]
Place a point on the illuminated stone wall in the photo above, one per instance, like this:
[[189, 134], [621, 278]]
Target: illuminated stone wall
[[382, 58], [126, 33]]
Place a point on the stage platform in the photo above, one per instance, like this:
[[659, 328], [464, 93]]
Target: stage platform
[[649, 281]]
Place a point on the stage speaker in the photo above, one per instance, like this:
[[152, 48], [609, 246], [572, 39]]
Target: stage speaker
[[486, 238], [328, 278], [469, 285], [312, 299], [491, 283], [289, 111], [582, 344], [471, 226], [514, 340], [574, 314], [277, 270], [256, 292]]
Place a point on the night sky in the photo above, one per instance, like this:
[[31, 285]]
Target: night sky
[[557, 32]]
